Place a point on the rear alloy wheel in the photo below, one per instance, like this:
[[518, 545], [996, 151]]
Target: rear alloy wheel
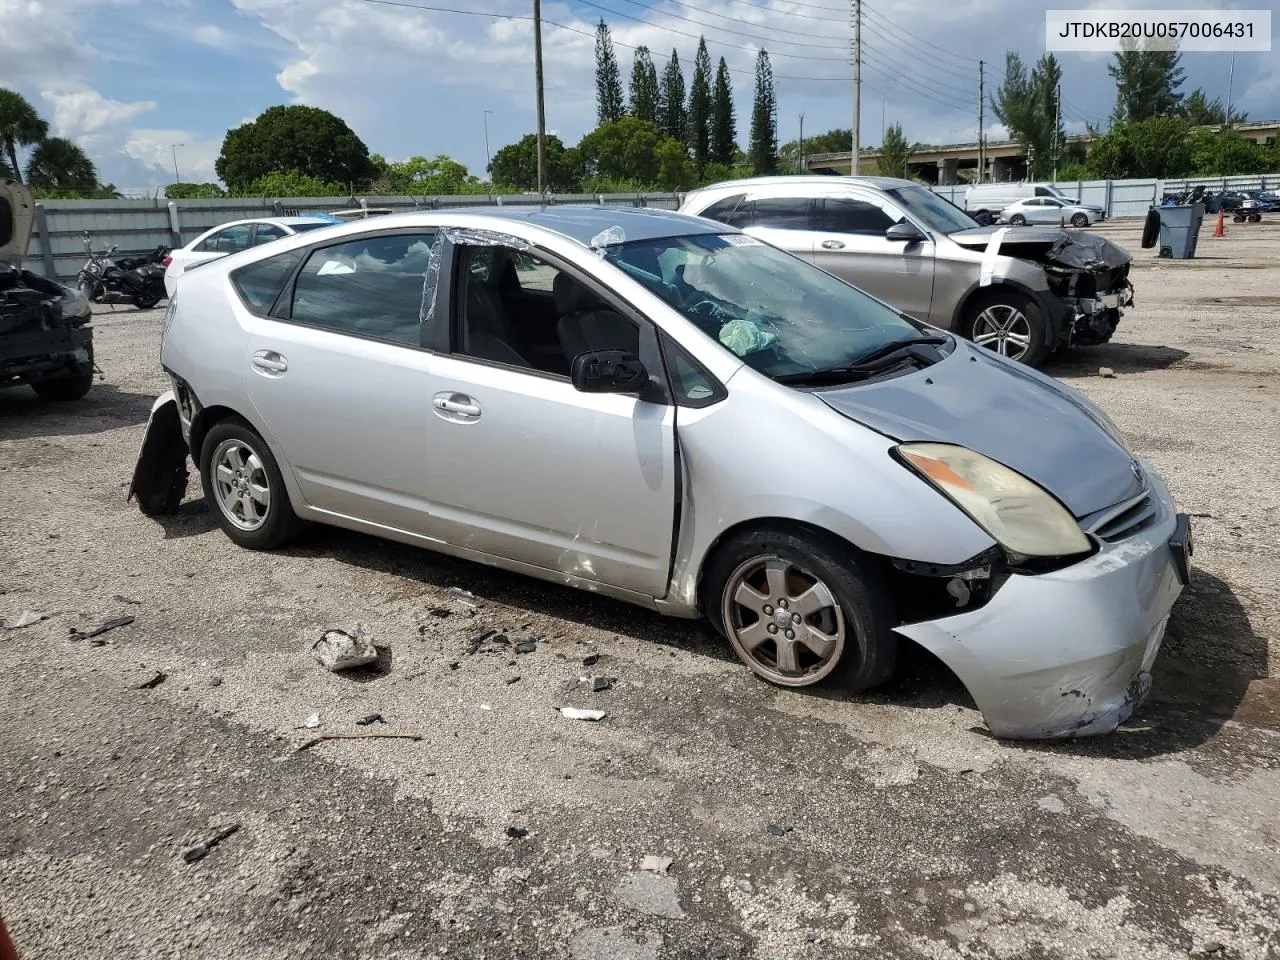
[[71, 387], [1010, 324], [1018, 220], [242, 482], [802, 610], [1079, 220]]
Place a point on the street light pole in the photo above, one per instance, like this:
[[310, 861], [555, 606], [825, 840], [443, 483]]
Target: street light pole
[[537, 80], [488, 161], [175, 146]]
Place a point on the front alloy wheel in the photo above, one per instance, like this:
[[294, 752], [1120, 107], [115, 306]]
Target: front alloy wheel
[[1079, 220], [1003, 328], [783, 621]]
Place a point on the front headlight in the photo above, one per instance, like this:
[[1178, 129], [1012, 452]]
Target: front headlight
[[1016, 512]]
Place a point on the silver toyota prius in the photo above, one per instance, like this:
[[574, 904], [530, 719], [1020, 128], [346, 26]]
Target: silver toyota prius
[[663, 409]]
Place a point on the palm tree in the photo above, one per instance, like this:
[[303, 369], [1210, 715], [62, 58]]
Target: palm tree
[[20, 126], [60, 164]]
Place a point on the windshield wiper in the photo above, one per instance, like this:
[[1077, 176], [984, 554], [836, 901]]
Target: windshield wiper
[[881, 360]]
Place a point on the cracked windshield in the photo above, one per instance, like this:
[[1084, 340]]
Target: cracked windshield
[[776, 312]]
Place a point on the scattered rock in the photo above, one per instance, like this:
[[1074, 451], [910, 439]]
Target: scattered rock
[[526, 646], [215, 682], [1106, 372], [25, 619], [655, 864], [517, 833], [1208, 947], [344, 647], [370, 719], [201, 850], [777, 830], [454, 665], [581, 713], [650, 893], [591, 659], [599, 684]]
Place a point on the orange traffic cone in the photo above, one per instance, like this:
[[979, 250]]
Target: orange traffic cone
[[1221, 230]]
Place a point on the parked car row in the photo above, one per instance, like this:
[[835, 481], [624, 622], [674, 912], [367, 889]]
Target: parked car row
[[704, 424]]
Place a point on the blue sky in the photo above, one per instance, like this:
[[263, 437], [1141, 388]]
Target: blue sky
[[130, 78]]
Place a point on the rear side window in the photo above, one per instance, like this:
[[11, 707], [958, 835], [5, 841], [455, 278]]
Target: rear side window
[[781, 213], [847, 215], [368, 287], [266, 232], [6, 222], [260, 283], [726, 211]]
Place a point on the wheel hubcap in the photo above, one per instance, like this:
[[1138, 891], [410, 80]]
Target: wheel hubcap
[[1004, 329], [240, 484], [783, 621]]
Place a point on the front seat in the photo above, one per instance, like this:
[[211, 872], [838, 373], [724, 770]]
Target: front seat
[[587, 324], [488, 332]]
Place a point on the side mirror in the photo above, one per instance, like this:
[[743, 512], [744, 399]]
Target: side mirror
[[906, 232], [608, 371]]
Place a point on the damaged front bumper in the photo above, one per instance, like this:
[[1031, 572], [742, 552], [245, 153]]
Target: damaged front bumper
[[1069, 653]]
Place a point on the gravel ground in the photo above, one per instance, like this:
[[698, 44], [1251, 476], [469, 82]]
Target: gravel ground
[[798, 824]]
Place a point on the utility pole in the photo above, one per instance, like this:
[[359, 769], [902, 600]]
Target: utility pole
[[857, 86], [802, 165], [1057, 125], [1230, 76], [175, 146], [488, 161], [537, 79], [982, 144]]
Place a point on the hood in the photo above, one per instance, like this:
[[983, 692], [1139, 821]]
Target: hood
[[17, 213], [1007, 412], [1067, 248]]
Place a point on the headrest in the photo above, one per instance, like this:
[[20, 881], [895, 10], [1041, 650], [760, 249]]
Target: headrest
[[570, 295]]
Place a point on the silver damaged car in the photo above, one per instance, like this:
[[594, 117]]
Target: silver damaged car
[[666, 410]]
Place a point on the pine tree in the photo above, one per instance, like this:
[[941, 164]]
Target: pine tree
[[1147, 83], [671, 116], [644, 87], [764, 119], [724, 128], [608, 80], [698, 127]]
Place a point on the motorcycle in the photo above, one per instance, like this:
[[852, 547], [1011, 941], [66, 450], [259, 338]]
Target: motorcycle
[[136, 280]]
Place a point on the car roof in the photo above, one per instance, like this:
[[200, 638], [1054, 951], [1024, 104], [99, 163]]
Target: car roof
[[879, 183], [584, 223]]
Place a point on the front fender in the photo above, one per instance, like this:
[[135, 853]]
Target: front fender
[[160, 475]]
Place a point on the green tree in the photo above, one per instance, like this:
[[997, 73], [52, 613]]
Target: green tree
[[20, 126], [764, 119], [309, 140], [608, 80], [516, 165], [1225, 153], [644, 86], [635, 152], [441, 175], [193, 191], [1026, 104], [290, 183], [671, 115], [894, 153], [675, 172], [833, 141], [698, 124], [61, 166], [1147, 82], [1203, 112], [724, 126], [1156, 147]]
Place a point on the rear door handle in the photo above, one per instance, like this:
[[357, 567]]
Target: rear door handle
[[832, 245], [456, 406], [269, 361]]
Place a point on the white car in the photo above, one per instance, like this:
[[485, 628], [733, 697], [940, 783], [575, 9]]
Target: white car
[[1048, 210], [232, 237]]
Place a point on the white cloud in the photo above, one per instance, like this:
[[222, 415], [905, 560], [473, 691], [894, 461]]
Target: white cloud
[[84, 112]]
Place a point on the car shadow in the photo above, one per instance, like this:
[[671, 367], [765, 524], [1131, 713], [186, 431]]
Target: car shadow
[[1121, 358], [192, 519], [105, 407], [1205, 675]]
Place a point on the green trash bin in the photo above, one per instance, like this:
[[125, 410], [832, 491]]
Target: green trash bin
[[1179, 229]]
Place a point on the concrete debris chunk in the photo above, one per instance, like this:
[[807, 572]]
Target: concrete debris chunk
[[25, 619], [344, 647], [600, 684], [311, 722], [654, 864], [1106, 372], [581, 713]]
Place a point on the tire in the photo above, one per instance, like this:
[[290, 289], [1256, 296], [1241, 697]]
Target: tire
[[1003, 309], [1079, 220], [1151, 230], [848, 615], [1018, 220], [146, 299], [71, 387], [252, 519], [1166, 253]]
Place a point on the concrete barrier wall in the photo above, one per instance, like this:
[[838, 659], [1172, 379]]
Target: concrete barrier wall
[[136, 226]]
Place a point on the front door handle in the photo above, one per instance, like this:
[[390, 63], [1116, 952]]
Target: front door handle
[[832, 245], [269, 361], [456, 406]]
